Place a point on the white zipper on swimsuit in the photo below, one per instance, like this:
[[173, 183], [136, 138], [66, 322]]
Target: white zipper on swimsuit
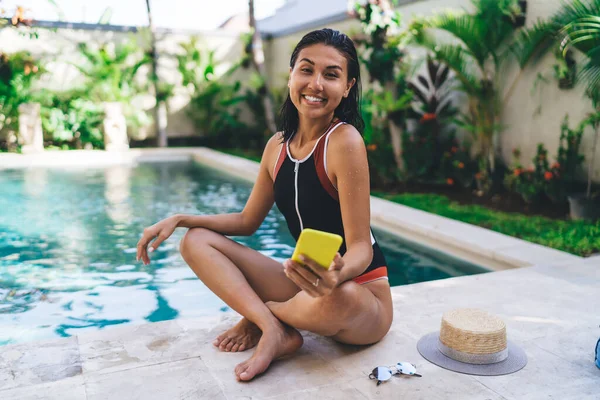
[[296, 168]]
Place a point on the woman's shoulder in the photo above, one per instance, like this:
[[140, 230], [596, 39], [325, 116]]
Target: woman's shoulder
[[346, 136], [272, 147], [274, 141]]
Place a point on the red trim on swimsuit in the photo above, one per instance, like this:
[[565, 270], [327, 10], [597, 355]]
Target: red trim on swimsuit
[[377, 273], [280, 160], [319, 157]]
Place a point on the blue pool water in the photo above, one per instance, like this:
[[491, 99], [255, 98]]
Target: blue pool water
[[68, 237]]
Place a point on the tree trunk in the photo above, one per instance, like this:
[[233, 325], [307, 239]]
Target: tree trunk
[[159, 122], [258, 60]]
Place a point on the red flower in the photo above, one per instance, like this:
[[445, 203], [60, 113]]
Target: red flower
[[461, 165], [450, 181], [454, 149], [548, 175], [372, 147], [478, 176], [517, 172], [556, 165], [427, 117]]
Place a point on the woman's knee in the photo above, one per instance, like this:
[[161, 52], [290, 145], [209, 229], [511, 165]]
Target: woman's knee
[[194, 239]]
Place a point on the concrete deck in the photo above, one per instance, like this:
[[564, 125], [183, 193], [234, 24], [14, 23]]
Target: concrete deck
[[551, 311]]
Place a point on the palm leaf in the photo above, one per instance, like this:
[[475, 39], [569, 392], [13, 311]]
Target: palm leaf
[[574, 10], [460, 61], [531, 44], [468, 30], [583, 34]]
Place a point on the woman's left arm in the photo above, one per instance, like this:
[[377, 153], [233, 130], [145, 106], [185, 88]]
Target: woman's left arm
[[349, 169]]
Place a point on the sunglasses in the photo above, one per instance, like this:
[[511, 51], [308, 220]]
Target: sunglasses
[[383, 374]]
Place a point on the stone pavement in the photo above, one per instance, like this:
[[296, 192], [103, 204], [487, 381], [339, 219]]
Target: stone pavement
[[550, 310]]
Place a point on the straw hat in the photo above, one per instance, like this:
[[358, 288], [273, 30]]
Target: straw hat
[[472, 341]]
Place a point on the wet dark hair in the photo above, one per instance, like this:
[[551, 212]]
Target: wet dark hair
[[349, 108]]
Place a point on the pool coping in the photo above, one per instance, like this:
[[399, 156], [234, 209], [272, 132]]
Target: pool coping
[[471, 243]]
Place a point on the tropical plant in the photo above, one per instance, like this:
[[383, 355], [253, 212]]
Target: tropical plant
[[18, 73], [111, 71], [477, 58], [215, 110], [195, 64], [576, 25], [529, 182], [565, 69], [593, 120], [557, 180], [568, 159], [432, 110], [457, 166], [382, 165], [382, 51], [216, 104], [69, 119]]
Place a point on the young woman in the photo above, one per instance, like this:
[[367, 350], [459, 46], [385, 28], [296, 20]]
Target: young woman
[[316, 171]]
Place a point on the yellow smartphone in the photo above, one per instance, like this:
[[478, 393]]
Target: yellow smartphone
[[318, 245]]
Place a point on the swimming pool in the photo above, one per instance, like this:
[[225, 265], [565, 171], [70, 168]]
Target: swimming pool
[[68, 237]]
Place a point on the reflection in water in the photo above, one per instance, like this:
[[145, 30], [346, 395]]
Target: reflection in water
[[116, 191], [67, 247], [34, 182]]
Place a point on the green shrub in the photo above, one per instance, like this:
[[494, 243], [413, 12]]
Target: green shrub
[[18, 73], [543, 180], [69, 119]]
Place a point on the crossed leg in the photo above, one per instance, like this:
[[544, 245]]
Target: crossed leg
[[246, 280]]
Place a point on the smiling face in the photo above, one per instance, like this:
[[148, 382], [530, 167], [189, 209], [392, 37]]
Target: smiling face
[[319, 81]]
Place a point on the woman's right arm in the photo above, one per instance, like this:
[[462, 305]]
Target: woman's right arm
[[243, 223]]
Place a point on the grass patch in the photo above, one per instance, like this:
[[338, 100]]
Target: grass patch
[[248, 154], [581, 238]]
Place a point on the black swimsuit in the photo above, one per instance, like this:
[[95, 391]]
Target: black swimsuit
[[307, 199]]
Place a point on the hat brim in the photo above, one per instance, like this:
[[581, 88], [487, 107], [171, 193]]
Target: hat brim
[[428, 347]]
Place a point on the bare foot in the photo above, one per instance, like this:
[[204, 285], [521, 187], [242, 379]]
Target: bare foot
[[273, 344], [243, 336]]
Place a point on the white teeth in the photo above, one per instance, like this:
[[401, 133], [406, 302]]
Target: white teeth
[[311, 98]]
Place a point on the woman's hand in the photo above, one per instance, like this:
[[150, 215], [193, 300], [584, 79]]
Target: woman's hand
[[161, 231], [311, 277]]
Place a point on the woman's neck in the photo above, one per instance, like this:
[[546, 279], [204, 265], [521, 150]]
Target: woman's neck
[[310, 129]]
